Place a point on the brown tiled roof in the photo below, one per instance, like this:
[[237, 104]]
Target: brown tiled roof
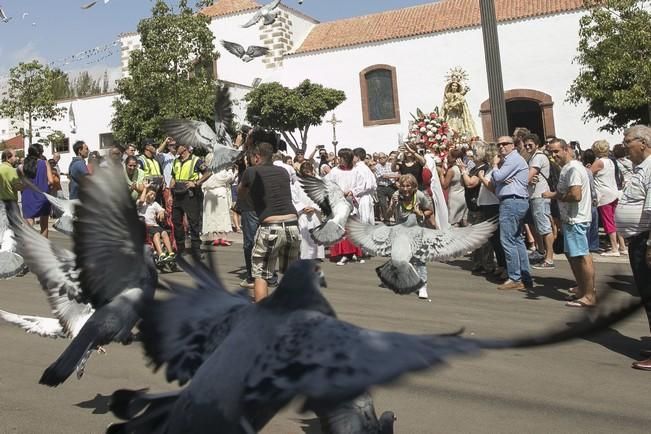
[[17, 142], [422, 20], [228, 7]]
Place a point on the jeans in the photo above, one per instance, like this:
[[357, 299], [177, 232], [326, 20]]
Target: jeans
[[512, 213], [641, 272], [192, 207], [249, 223], [593, 232]]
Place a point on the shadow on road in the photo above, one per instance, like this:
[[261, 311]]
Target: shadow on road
[[613, 340], [310, 426], [623, 283], [99, 404]]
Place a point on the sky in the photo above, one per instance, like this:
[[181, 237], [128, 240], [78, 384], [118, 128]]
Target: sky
[[54, 30]]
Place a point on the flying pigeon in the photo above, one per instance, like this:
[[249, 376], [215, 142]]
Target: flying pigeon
[[117, 274], [251, 53], [3, 16], [25, 14], [88, 5], [408, 241], [198, 134], [46, 327], [11, 263], [334, 206], [71, 120], [268, 12], [286, 346]]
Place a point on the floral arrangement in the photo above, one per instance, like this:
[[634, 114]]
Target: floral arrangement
[[430, 131]]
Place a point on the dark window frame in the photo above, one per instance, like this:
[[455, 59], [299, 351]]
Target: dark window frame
[[63, 148], [364, 93], [111, 140]]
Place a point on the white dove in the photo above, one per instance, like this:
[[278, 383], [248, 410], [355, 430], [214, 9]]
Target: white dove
[[409, 240], [268, 12], [334, 206]]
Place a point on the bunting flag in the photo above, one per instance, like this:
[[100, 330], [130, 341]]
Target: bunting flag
[[92, 55]]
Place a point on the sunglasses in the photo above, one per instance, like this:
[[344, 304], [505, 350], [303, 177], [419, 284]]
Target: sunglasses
[[504, 143]]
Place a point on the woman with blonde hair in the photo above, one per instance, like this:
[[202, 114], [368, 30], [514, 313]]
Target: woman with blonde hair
[[605, 184]]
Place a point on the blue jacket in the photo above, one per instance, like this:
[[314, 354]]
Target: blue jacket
[[76, 171]]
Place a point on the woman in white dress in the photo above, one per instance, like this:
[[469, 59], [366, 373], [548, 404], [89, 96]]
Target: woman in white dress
[[217, 202], [458, 210], [309, 216], [603, 171]]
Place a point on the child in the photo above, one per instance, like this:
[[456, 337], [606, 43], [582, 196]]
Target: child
[[151, 211]]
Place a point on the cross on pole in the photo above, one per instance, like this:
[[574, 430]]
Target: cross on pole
[[334, 121]]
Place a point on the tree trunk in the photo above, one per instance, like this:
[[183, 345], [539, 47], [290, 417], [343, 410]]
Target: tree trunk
[[29, 125]]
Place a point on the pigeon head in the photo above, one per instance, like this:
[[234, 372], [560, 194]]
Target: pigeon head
[[299, 289], [386, 422]]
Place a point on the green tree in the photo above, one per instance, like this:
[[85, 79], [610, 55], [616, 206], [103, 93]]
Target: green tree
[[61, 86], [164, 80], [274, 106], [30, 95], [614, 52]]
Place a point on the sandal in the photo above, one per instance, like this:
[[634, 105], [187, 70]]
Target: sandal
[[579, 303], [226, 243]]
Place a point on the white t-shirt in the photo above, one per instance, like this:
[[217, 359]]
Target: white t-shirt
[[573, 173], [486, 197], [149, 211], [540, 162]]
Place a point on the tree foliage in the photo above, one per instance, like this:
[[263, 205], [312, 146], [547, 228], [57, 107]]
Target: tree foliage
[[614, 54], [30, 95], [170, 77], [274, 106]]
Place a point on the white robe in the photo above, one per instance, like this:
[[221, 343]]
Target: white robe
[[217, 202], [309, 249], [364, 187], [345, 179], [438, 200]]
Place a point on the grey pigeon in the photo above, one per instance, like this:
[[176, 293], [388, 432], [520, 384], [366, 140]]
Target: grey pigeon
[[54, 268], [334, 206], [11, 263], [247, 55], [88, 5], [3, 16], [117, 275], [357, 416], [268, 13], [408, 241], [42, 326], [198, 134]]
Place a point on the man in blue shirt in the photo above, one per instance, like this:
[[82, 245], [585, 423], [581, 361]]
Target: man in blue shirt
[[510, 176], [77, 168]]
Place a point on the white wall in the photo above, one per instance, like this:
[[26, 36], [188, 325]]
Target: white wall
[[7, 130], [536, 54]]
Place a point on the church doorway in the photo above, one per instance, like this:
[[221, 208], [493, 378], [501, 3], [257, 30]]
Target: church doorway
[[527, 114], [527, 108]]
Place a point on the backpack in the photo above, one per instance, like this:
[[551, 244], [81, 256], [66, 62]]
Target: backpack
[[554, 173], [619, 176], [472, 194]]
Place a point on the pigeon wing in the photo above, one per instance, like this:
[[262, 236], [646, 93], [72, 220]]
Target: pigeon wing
[[223, 157], [196, 134], [271, 6], [46, 327], [223, 116], [450, 243], [254, 19], [330, 361], [318, 190], [234, 48], [109, 237], [182, 331], [256, 51], [54, 268], [63, 205], [88, 5], [377, 239]]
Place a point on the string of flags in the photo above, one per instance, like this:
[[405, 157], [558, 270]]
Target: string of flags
[[97, 54]]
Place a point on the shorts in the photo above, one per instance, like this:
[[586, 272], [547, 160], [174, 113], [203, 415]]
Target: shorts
[[542, 214], [607, 216], [575, 239], [153, 230], [274, 243]]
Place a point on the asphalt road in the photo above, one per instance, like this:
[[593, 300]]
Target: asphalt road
[[586, 386]]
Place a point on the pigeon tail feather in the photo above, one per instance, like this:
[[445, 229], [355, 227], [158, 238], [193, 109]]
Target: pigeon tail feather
[[328, 233], [400, 277], [65, 365], [126, 404], [11, 265]]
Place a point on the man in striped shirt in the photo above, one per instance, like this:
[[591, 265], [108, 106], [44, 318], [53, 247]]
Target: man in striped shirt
[[633, 218]]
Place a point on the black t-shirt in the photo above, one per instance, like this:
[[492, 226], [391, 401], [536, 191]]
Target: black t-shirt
[[269, 190], [416, 169]]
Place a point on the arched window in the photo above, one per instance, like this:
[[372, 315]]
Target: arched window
[[379, 89]]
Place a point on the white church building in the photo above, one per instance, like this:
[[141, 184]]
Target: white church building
[[408, 51]]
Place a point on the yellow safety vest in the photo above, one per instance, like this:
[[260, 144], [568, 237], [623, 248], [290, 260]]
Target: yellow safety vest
[[184, 171], [150, 166]]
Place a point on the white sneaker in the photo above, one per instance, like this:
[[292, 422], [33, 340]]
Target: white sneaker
[[422, 293], [343, 261]]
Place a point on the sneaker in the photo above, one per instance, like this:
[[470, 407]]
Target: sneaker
[[623, 252], [511, 285], [544, 265], [611, 253], [343, 261], [246, 283], [422, 293]]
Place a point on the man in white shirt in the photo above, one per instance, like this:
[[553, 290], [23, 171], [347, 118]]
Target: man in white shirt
[[633, 219], [363, 187], [575, 203]]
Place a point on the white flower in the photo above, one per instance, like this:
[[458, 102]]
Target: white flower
[[423, 129], [430, 134], [438, 137]]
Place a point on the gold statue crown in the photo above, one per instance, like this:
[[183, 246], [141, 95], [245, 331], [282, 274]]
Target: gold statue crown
[[456, 75]]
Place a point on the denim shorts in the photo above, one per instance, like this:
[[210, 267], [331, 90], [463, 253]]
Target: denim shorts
[[541, 212], [575, 239]]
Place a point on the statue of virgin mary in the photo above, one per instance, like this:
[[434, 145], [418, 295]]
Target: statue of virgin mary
[[455, 108]]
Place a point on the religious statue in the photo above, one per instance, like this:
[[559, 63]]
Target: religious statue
[[455, 109]]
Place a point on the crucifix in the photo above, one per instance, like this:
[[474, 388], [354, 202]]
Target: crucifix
[[334, 121]]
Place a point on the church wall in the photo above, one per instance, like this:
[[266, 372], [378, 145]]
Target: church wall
[[536, 54]]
